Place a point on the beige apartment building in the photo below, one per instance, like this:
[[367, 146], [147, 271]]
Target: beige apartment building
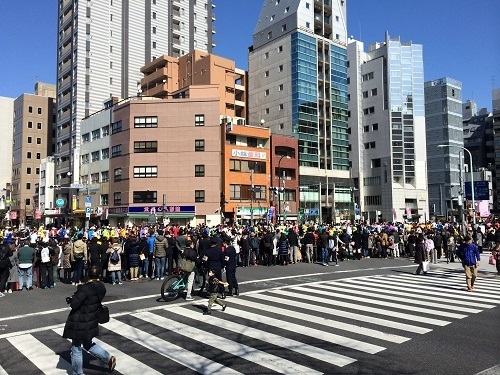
[[165, 158], [166, 75], [34, 119]]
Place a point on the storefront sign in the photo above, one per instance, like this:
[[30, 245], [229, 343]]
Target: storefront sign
[[169, 209], [248, 154]]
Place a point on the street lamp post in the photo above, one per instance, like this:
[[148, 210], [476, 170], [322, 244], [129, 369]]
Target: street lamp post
[[471, 179], [279, 187]]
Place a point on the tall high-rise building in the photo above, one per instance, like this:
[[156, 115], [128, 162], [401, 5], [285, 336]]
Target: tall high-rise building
[[298, 87], [443, 122], [387, 123], [34, 117], [101, 47], [6, 126]]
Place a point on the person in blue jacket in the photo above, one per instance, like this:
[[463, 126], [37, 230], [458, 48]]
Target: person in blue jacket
[[470, 256]]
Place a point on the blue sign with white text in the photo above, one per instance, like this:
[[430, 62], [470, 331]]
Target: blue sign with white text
[[481, 191]]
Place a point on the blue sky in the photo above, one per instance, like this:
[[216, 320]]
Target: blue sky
[[461, 38]]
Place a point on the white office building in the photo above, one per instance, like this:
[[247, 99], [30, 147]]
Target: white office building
[[101, 47], [387, 124], [6, 129]]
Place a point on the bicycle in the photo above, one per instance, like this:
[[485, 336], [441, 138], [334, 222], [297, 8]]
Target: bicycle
[[174, 285]]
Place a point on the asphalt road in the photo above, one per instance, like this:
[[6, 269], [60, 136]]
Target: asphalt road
[[440, 338]]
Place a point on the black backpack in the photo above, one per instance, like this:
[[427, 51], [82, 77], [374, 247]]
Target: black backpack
[[115, 257]]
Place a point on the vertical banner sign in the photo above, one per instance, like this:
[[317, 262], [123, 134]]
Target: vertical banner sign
[[73, 202]]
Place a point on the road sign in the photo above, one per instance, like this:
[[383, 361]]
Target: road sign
[[88, 204], [88, 210], [76, 186], [60, 202], [88, 199]]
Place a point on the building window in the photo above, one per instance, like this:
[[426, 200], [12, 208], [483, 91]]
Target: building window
[[283, 27], [199, 170], [376, 163], [280, 68], [366, 128], [280, 107], [280, 87], [28, 155], [145, 196], [251, 142], [30, 140], [199, 145], [269, 35], [30, 109], [85, 159], [272, 17], [199, 195], [154, 44], [231, 139], [116, 151], [94, 178], [95, 156], [308, 25], [117, 199], [368, 110], [374, 92], [267, 111], [116, 127], [287, 9], [154, 30], [104, 199], [145, 147], [199, 120], [38, 156], [96, 134], [266, 73], [39, 111], [245, 166], [118, 174], [365, 94], [105, 130], [282, 126], [37, 170], [244, 192], [367, 76], [266, 55], [30, 124], [39, 125], [375, 127], [145, 172], [28, 170], [266, 92], [146, 122], [39, 141], [105, 176], [105, 153]]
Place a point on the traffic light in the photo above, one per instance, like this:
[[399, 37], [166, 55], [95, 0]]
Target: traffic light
[[55, 187]]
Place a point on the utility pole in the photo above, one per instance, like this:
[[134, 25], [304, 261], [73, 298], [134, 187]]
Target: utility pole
[[252, 192]]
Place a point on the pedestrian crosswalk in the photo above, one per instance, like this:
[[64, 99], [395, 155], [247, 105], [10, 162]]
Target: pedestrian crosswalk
[[299, 329]]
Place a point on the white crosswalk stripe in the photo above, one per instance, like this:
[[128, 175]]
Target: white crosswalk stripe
[[389, 287], [270, 361], [127, 365], [40, 355], [167, 349], [302, 329], [365, 291], [277, 340]]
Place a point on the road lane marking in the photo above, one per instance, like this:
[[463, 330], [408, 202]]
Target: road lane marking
[[303, 330], [125, 364], [251, 354], [40, 355], [176, 353], [271, 338], [331, 322]]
